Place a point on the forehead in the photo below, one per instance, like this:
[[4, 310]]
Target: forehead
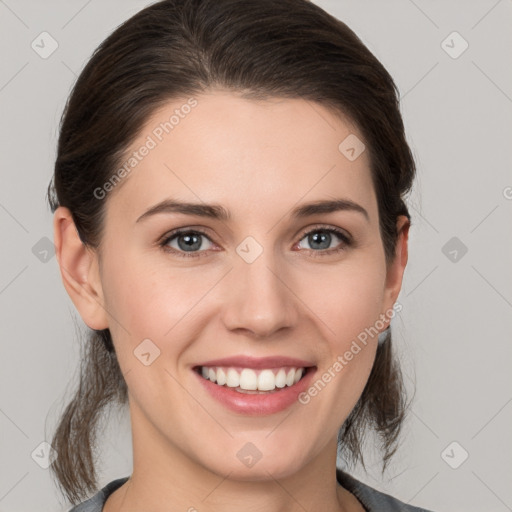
[[247, 154]]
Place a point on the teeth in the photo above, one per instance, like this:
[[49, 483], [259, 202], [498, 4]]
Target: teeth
[[232, 378], [248, 379], [253, 380], [221, 377], [266, 380], [281, 379]]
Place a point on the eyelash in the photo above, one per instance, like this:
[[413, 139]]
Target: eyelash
[[346, 242]]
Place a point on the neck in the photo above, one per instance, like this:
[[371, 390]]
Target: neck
[[164, 476]]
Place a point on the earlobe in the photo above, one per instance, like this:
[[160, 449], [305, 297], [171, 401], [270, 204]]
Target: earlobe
[[396, 268], [79, 270]]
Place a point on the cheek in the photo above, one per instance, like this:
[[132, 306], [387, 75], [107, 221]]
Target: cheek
[[345, 301], [150, 301]]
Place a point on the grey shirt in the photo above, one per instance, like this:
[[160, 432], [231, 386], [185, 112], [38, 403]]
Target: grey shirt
[[371, 499]]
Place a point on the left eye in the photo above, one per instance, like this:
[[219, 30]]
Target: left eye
[[321, 238]]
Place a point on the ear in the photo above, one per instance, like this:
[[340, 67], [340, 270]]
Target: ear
[[396, 268], [79, 269]]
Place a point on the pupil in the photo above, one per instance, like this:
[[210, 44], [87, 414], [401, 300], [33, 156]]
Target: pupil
[[191, 242], [323, 237]]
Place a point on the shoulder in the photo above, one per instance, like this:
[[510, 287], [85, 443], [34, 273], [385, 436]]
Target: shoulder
[[371, 499], [95, 504]]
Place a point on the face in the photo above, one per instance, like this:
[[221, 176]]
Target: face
[[270, 293]]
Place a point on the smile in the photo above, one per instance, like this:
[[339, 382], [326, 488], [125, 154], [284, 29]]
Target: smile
[[255, 386]]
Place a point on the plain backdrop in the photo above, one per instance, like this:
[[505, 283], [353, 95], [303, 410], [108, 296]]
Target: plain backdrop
[[451, 62]]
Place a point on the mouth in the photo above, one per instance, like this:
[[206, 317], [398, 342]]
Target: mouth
[[251, 380], [255, 386]]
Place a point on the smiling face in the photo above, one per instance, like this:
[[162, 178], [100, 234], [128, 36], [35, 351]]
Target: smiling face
[[269, 279]]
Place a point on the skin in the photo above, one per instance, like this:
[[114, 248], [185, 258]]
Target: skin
[[259, 159]]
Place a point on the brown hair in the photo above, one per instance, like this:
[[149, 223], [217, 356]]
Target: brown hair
[[262, 49]]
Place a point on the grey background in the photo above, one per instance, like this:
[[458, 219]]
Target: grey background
[[454, 332]]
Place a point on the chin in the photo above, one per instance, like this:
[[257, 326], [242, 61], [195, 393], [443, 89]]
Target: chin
[[248, 463]]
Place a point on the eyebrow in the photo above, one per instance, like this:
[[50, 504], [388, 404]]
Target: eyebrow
[[218, 212]]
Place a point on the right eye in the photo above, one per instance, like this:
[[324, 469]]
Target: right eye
[[186, 242]]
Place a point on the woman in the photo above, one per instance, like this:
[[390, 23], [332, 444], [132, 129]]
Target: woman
[[230, 224]]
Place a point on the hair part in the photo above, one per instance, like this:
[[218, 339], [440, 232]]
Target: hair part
[[262, 49]]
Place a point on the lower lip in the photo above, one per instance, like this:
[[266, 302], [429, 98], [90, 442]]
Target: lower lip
[[257, 404]]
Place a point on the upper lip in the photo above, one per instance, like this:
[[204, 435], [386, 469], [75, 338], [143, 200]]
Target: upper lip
[[258, 362]]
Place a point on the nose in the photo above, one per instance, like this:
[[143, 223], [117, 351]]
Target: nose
[[259, 298]]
